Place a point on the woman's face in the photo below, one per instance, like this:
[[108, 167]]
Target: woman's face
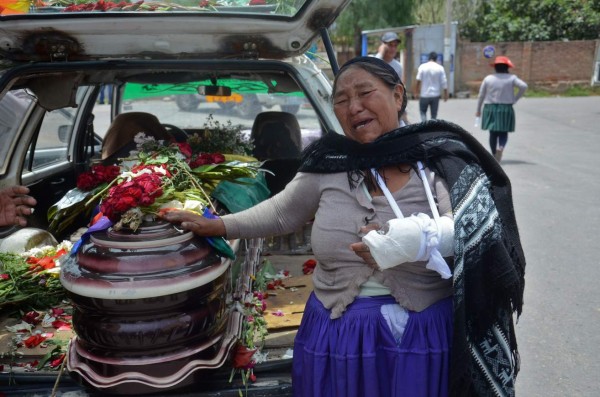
[[365, 106]]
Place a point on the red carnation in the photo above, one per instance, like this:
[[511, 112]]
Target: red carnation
[[218, 158], [125, 203], [149, 183], [86, 181], [185, 149], [106, 173]]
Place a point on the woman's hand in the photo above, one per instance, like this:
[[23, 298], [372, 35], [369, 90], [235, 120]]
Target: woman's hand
[[362, 250], [195, 223]]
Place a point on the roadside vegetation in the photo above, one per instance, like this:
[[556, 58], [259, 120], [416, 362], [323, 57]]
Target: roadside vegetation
[[569, 92], [478, 20]]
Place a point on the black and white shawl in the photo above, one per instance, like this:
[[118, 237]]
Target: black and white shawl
[[489, 264]]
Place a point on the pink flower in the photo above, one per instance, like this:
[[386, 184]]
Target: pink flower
[[57, 311]]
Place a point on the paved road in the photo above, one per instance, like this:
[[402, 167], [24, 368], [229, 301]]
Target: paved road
[[552, 160]]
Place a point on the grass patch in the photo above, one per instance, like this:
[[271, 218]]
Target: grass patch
[[576, 90], [537, 93], [582, 91]]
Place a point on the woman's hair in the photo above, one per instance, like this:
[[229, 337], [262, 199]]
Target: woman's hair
[[501, 68], [379, 69]]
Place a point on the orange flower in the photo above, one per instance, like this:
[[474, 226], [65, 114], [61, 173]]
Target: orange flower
[[8, 7]]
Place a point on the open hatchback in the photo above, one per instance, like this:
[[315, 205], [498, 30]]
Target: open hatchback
[[224, 73]]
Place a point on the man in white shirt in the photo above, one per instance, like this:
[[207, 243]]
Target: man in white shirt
[[431, 82]]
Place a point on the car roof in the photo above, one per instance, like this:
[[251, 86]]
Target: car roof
[[217, 29]]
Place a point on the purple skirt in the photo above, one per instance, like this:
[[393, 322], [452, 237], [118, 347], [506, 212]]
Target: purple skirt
[[356, 355]]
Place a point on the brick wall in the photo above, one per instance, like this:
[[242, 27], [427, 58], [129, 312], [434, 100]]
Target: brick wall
[[552, 65]]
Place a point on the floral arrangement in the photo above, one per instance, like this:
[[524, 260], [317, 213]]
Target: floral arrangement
[[141, 5], [153, 178], [248, 351], [254, 306], [30, 279]]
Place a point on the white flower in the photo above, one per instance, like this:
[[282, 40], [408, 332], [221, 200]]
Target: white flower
[[141, 138], [128, 175], [259, 357], [159, 170], [47, 320], [172, 204], [20, 326], [193, 205]]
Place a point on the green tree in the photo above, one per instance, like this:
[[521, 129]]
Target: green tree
[[429, 12], [362, 15], [528, 20]]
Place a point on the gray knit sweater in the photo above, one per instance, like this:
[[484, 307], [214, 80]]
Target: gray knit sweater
[[339, 212], [500, 88]]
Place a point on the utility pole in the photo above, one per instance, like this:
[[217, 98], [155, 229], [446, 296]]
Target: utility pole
[[448, 42]]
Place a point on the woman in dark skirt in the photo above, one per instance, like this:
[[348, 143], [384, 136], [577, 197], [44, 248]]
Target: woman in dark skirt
[[497, 95], [420, 267]]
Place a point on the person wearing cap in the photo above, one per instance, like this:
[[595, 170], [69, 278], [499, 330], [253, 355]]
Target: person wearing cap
[[388, 49], [408, 298], [497, 96], [431, 85]]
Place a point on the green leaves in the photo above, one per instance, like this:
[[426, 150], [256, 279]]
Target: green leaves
[[535, 20], [71, 208]]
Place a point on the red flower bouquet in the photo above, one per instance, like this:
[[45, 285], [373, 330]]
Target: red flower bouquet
[[179, 175]]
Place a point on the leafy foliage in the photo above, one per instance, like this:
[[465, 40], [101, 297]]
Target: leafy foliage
[[362, 15], [535, 20], [220, 137], [430, 12]]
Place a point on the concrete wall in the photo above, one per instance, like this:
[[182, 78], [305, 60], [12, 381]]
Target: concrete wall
[[552, 65]]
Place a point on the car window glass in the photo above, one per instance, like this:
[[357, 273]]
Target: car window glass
[[52, 143], [13, 108], [102, 109], [180, 105]]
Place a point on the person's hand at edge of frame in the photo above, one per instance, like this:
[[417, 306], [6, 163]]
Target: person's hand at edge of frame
[[15, 206]]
